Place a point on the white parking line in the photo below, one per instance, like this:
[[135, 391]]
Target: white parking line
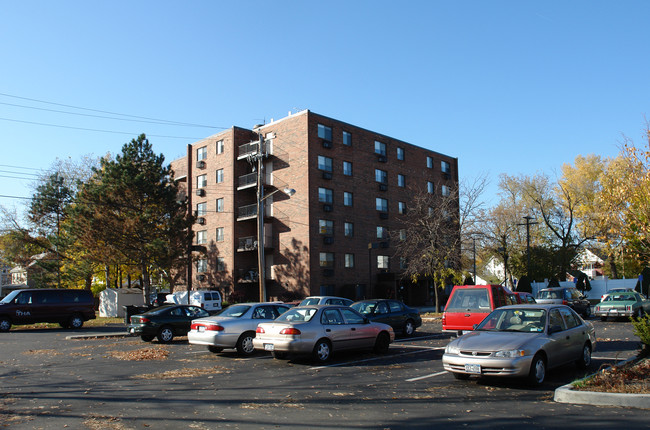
[[426, 376], [421, 349]]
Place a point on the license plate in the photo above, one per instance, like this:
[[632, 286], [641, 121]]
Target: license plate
[[132, 330], [201, 329], [269, 347], [613, 311], [473, 368]]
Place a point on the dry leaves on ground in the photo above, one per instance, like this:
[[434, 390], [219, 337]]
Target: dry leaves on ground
[[632, 377], [141, 354], [184, 373]]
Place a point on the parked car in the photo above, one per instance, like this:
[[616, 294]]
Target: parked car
[[325, 300], [69, 308], [566, 296], [320, 330], [625, 304], [165, 322], [234, 327], [616, 290], [469, 304], [523, 297], [522, 341], [396, 314]]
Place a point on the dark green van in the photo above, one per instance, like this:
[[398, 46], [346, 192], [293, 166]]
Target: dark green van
[[69, 308]]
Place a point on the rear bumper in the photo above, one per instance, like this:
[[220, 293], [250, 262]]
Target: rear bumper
[[613, 313], [213, 338]]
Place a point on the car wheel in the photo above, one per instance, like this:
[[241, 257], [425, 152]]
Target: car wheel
[[322, 351], [461, 376], [382, 343], [147, 337], [585, 360], [279, 355], [165, 334], [5, 324], [214, 349], [75, 321], [245, 343], [409, 328], [537, 370]]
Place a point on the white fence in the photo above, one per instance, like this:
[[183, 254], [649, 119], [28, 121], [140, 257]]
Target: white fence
[[598, 286]]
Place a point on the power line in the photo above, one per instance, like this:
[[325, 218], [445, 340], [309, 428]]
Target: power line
[[19, 167]]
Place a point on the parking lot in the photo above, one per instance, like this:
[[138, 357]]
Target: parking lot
[[51, 382]]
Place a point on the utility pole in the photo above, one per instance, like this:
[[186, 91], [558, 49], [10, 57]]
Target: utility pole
[[189, 212], [528, 223], [261, 269], [474, 250]]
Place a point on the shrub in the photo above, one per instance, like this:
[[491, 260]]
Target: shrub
[[642, 329]]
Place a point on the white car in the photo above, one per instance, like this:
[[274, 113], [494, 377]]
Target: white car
[[325, 300]]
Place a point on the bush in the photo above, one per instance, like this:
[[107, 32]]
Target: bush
[[642, 329]]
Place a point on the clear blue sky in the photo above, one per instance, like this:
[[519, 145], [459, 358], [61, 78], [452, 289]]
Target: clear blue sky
[[504, 86]]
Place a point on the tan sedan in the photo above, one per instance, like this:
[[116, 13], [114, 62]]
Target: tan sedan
[[522, 341]]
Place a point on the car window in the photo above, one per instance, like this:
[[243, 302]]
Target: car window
[[279, 310], [336, 302], [555, 319], [177, 312], [309, 301], [549, 294], [351, 317], [569, 318], [298, 315], [234, 311], [331, 316], [24, 298], [364, 308], [263, 312], [575, 294], [48, 297], [382, 308], [195, 312], [469, 299], [395, 306]]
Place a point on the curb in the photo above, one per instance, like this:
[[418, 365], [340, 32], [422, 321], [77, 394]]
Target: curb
[[97, 335], [565, 394]]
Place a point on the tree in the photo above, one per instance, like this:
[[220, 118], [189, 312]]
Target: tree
[[132, 210]]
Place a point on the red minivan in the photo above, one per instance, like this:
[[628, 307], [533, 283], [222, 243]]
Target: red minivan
[[469, 304]]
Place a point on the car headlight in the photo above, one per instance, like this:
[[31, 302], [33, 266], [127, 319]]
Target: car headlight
[[511, 353], [452, 349]]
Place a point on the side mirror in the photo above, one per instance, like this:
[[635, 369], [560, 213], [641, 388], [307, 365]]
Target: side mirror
[[554, 329]]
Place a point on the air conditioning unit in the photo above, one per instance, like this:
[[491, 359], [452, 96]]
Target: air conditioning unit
[[383, 187], [200, 164], [382, 158], [200, 220], [327, 144], [200, 192], [327, 208], [327, 175]]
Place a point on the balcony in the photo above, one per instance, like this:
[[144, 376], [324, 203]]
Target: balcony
[[247, 149], [247, 212], [248, 243], [247, 181]]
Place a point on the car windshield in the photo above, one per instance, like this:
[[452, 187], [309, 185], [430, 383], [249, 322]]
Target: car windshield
[[549, 294], [515, 320], [10, 297], [364, 307], [309, 301], [617, 298], [298, 315], [234, 311]]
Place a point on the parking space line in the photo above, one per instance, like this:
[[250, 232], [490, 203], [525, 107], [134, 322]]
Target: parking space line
[[431, 375], [421, 349]]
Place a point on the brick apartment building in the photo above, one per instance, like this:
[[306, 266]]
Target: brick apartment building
[[331, 235]]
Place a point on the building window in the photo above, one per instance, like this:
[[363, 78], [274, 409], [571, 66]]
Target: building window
[[221, 264], [429, 162], [201, 237], [325, 227], [202, 265], [220, 147], [324, 163], [382, 232], [325, 132], [347, 139], [201, 181], [445, 167], [402, 234], [402, 263], [347, 168], [219, 234], [401, 208], [202, 153], [219, 176], [349, 261], [326, 259], [201, 209], [400, 153], [380, 148], [348, 229], [220, 205], [347, 198], [445, 190], [401, 180], [382, 262], [325, 195], [381, 176], [381, 204], [430, 187]]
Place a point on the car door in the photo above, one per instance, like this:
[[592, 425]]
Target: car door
[[381, 313], [397, 315], [558, 349], [335, 328], [362, 334], [576, 332], [23, 305]]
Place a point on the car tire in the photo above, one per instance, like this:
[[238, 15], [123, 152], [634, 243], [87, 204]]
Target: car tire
[[147, 337], [214, 349], [245, 343], [322, 351], [537, 372], [409, 328], [382, 343], [461, 376], [279, 355], [165, 334], [585, 359], [5, 324], [76, 321]]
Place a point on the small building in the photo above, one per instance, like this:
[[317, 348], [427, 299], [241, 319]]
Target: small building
[[113, 300]]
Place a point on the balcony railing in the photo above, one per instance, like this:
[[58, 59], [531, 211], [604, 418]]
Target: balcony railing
[[245, 212], [247, 149], [248, 243], [246, 181]]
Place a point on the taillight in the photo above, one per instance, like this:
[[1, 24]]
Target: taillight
[[207, 327], [259, 330], [290, 331], [564, 302], [444, 319], [144, 320]]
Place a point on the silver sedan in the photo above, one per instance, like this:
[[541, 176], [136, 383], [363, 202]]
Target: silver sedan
[[320, 330], [522, 341], [234, 327]]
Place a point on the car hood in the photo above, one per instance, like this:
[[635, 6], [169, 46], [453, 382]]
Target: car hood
[[495, 341]]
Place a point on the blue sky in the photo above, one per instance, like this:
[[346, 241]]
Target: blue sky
[[504, 86]]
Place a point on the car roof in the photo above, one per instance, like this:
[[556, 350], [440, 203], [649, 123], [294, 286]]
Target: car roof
[[546, 306]]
